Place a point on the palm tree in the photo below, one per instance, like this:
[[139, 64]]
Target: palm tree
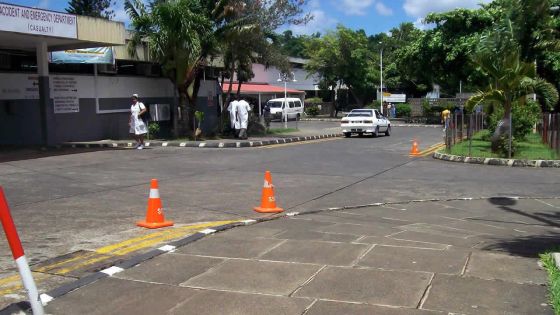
[[512, 80], [174, 32]]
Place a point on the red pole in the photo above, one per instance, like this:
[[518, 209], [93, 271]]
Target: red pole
[[19, 256], [9, 227]]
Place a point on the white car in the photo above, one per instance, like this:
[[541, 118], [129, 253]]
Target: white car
[[360, 121]]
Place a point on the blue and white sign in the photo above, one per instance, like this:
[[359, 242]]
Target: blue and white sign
[[87, 55]]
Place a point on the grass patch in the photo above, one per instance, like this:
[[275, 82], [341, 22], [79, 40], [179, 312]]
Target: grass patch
[[553, 281], [530, 149]]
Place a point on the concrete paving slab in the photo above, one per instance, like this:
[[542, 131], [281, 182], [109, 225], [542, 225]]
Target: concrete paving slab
[[307, 235], [529, 245], [338, 217], [493, 266], [120, 297], [338, 308], [170, 269], [360, 229], [435, 238], [222, 245], [475, 296], [429, 260], [306, 222], [438, 230], [209, 302], [314, 252], [255, 277], [394, 288], [393, 242], [253, 231]]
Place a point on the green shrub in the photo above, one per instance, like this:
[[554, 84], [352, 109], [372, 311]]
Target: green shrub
[[312, 110], [523, 119], [153, 129], [403, 110], [314, 100]]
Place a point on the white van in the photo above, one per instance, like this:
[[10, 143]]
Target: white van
[[293, 108]]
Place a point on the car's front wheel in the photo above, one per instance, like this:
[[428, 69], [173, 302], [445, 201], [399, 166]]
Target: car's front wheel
[[376, 132], [388, 131], [347, 134]]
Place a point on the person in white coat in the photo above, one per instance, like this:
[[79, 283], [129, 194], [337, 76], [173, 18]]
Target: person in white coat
[[243, 109], [137, 126], [232, 109]]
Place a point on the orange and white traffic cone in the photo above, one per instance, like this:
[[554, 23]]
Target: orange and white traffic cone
[[414, 150], [154, 213], [268, 201]]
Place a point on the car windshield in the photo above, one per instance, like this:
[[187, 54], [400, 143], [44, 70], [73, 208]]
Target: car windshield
[[275, 104], [360, 113]]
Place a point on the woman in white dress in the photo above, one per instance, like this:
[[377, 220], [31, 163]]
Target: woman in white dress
[[137, 126]]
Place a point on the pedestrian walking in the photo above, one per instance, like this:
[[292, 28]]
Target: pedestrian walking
[[232, 109], [243, 110], [267, 116], [445, 115], [138, 127]]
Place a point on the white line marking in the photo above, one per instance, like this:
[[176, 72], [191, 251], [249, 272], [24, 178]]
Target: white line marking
[[164, 144], [167, 248], [207, 231], [291, 214], [112, 270], [45, 299], [183, 144], [202, 145], [247, 222]]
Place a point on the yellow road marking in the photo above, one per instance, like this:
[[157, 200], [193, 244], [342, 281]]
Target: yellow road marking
[[296, 143], [11, 284], [432, 150]]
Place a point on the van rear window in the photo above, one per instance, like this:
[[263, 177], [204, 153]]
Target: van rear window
[[275, 104]]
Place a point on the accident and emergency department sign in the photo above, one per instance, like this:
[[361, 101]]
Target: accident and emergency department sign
[[37, 22]]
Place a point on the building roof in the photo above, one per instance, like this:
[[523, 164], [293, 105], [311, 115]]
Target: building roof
[[258, 88]]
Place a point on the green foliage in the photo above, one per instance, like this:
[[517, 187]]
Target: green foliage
[[403, 110], [93, 8], [524, 118], [154, 129], [344, 57], [553, 280], [312, 110], [199, 117], [314, 100], [530, 149]]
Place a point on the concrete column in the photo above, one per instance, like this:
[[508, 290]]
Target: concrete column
[[45, 109]]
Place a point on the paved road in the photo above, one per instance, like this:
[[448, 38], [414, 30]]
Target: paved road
[[460, 257], [86, 201]]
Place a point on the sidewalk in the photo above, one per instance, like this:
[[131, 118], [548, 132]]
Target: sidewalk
[[461, 257]]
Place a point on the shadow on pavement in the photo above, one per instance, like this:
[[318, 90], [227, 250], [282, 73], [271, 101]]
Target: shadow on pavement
[[527, 246], [15, 153]]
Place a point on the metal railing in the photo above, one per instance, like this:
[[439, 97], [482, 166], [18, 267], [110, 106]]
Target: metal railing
[[460, 126], [549, 129]]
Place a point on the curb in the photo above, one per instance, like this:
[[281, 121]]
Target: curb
[[49, 296], [496, 161], [214, 145]]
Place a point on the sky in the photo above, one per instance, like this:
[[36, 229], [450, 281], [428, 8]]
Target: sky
[[374, 16]]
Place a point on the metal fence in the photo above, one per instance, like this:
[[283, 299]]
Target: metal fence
[[549, 129], [460, 126]]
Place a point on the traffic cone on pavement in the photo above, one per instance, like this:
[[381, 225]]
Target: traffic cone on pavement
[[154, 213], [268, 201], [414, 151]]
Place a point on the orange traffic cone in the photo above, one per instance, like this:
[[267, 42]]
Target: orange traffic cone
[[414, 151], [268, 202], [154, 213]]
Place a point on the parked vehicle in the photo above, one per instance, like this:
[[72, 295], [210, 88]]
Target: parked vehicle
[[360, 121], [292, 107]]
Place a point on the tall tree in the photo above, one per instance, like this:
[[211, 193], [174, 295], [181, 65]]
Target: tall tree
[[512, 79], [343, 57], [183, 35], [93, 8]]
